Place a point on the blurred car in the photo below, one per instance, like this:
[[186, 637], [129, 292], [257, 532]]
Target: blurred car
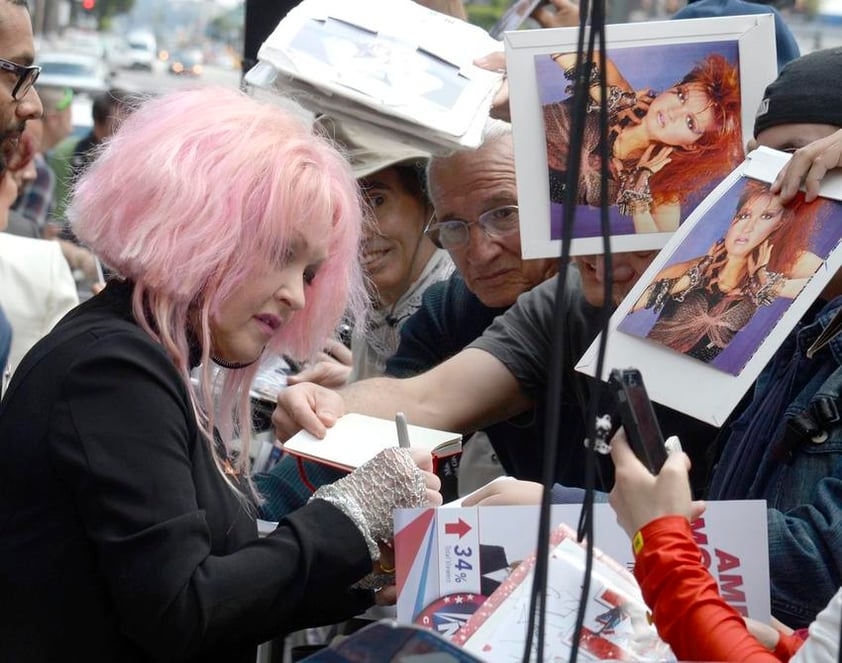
[[117, 52], [81, 113], [84, 41], [185, 63], [78, 71], [142, 51]]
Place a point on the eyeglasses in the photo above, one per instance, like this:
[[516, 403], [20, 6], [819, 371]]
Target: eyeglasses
[[456, 233], [26, 77]]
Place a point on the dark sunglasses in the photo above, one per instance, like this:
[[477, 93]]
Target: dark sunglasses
[[26, 77]]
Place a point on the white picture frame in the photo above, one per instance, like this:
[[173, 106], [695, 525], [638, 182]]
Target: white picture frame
[[392, 63], [751, 38], [683, 382]]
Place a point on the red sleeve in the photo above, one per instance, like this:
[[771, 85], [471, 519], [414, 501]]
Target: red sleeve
[[687, 609], [788, 645]]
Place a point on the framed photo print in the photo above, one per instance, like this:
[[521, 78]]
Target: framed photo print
[[725, 292], [682, 96]]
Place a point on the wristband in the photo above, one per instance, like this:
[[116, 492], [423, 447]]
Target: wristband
[[637, 542]]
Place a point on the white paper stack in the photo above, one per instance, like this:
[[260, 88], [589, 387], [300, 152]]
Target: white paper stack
[[389, 67]]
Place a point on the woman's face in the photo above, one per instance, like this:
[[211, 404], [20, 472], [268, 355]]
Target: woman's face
[[758, 218], [680, 116], [390, 242], [260, 307]]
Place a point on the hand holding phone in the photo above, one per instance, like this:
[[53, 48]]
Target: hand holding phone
[[638, 417]]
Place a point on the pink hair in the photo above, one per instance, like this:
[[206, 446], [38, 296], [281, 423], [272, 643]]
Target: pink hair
[[194, 194]]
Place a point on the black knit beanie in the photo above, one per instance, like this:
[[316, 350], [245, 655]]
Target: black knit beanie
[[807, 91]]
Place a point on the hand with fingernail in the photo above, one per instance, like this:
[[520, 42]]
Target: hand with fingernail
[[808, 166], [639, 497]]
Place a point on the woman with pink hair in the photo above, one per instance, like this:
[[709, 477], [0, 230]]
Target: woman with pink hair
[[127, 529]]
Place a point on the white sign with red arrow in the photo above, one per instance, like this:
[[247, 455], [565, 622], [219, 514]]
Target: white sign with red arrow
[[458, 542]]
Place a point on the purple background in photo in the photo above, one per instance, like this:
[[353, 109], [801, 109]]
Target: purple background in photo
[[658, 67], [707, 231]]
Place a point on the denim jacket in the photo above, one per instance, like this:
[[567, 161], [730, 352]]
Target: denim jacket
[[786, 448]]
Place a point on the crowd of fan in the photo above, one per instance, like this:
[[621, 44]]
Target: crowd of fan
[[232, 229]]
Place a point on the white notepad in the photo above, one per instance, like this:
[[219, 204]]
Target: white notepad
[[356, 438]]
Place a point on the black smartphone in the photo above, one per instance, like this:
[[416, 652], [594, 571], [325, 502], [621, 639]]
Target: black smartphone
[[638, 417]]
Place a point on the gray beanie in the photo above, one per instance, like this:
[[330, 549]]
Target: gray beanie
[[807, 91]]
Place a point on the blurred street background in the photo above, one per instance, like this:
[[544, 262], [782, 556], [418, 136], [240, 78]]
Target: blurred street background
[[150, 46], [157, 45], [153, 46]]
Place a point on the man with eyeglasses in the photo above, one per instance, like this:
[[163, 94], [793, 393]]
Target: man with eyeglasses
[[474, 194], [18, 101], [477, 220]]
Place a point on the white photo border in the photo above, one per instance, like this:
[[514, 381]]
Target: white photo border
[[687, 384], [755, 37]]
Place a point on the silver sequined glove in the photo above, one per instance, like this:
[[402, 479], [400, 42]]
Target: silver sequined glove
[[390, 480]]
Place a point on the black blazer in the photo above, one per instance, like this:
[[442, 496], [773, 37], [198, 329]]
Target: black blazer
[[119, 540]]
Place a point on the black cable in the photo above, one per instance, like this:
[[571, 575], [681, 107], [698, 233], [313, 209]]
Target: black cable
[[585, 529], [582, 84], [537, 602], [581, 94]]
